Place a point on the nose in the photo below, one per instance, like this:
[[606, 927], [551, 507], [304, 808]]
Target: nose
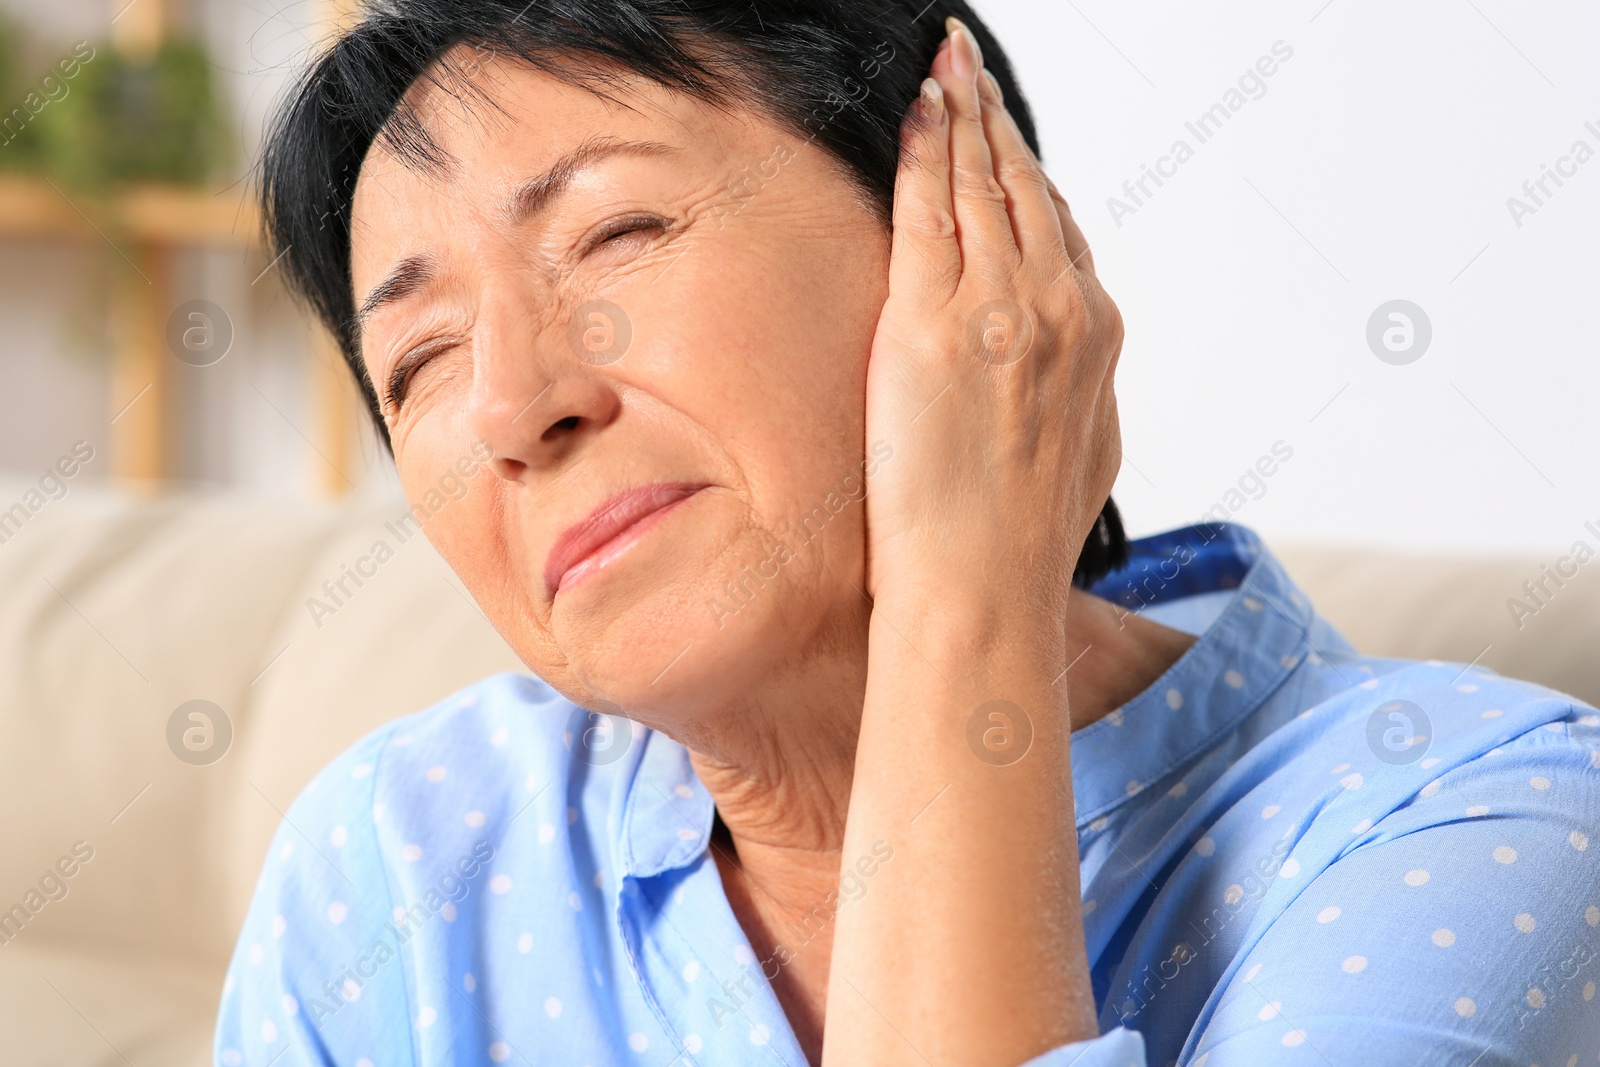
[[535, 404]]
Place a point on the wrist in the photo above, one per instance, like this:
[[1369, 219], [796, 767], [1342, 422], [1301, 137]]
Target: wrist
[[967, 620]]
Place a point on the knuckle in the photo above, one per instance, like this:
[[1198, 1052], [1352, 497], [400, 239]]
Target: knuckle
[[1049, 269], [1108, 320], [966, 107], [1055, 193], [995, 275], [979, 183], [1022, 175], [927, 220]]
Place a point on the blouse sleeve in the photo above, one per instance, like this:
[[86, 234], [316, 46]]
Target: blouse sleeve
[[1462, 928], [317, 976]]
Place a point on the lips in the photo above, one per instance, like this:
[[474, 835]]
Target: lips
[[609, 531]]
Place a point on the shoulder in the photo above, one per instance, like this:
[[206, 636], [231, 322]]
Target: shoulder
[[330, 910], [1383, 749], [400, 793], [505, 725], [1443, 821], [1428, 714], [1412, 748], [435, 775]]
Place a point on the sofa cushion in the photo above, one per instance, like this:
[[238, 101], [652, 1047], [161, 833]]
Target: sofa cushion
[[87, 1007]]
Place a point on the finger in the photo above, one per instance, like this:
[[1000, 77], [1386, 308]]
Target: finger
[[982, 219], [1034, 220], [924, 254], [1077, 244]]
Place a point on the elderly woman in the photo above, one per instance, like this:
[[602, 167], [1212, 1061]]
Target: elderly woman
[[860, 735]]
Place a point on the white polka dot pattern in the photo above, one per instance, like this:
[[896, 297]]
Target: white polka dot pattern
[[462, 887]]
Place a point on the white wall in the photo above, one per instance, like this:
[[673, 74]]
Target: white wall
[[1376, 165]]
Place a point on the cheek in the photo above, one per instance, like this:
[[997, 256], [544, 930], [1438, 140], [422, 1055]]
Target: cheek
[[767, 356], [452, 492], [772, 360]]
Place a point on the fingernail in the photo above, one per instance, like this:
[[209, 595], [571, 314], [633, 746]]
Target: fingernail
[[932, 98], [967, 58], [991, 88]]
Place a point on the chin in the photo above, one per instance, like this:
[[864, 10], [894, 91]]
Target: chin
[[661, 633]]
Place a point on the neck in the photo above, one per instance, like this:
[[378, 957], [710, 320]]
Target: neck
[[783, 790]]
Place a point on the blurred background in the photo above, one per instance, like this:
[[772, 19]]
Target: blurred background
[[1354, 243], [1426, 153], [126, 210]]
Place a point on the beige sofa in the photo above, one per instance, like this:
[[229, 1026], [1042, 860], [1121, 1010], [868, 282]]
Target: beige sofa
[[114, 613]]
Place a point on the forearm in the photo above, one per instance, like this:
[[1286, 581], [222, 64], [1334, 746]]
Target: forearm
[[968, 948]]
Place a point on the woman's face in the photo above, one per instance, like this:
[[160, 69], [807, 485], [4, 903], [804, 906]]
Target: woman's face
[[673, 330]]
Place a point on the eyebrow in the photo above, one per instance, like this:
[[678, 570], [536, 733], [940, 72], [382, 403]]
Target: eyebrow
[[537, 194], [409, 276], [532, 197]]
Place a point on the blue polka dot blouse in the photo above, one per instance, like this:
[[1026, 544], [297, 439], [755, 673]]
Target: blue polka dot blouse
[[1290, 852]]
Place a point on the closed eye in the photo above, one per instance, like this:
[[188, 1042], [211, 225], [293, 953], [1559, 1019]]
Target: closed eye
[[406, 366], [618, 229]]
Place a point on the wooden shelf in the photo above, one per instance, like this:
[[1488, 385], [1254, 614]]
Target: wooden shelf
[[36, 208], [149, 226]]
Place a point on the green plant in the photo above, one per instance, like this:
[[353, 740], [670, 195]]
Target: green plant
[[18, 151], [129, 120]]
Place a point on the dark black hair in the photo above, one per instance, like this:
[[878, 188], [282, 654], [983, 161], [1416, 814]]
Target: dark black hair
[[839, 72]]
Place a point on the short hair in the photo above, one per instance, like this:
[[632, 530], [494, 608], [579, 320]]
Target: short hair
[[839, 73]]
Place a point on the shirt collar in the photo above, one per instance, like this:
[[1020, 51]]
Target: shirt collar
[[1243, 656], [666, 812]]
